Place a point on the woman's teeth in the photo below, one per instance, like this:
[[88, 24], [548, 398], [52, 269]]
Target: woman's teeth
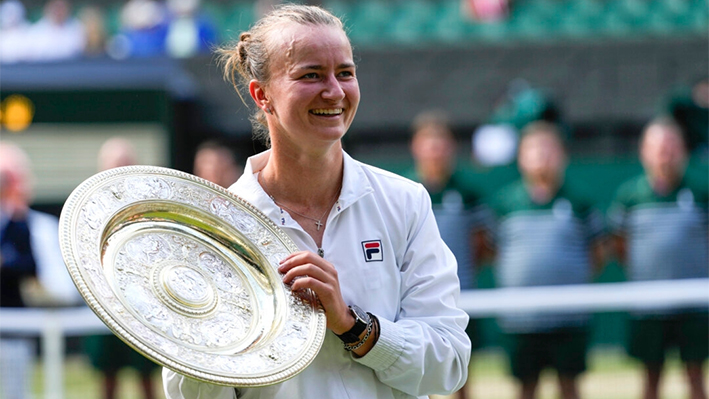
[[335, 111]]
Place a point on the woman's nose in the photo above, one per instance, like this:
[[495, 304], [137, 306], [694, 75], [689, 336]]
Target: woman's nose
[[333, 89]]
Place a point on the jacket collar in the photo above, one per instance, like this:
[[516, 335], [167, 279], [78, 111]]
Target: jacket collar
[[355, 185]]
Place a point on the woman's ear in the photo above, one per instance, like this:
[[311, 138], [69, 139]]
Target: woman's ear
[[256, 89]]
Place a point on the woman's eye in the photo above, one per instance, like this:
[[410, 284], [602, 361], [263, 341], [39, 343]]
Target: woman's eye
[[311, 75], [346, 74]]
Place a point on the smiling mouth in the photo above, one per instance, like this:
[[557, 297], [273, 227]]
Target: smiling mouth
[[327, 112]]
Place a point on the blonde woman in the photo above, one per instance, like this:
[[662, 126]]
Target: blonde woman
[[394, 328]]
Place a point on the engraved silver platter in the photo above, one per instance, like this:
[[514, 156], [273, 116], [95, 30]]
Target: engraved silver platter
[[186, 273]]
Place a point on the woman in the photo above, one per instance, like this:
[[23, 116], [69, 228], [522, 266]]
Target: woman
[[368, 238]]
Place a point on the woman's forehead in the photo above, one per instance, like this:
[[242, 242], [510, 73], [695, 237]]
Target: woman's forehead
[[296, 41]]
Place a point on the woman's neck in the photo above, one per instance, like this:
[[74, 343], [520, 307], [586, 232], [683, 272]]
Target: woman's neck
[[306, 181]]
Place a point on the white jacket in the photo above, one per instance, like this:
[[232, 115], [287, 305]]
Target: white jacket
[[411, 286]]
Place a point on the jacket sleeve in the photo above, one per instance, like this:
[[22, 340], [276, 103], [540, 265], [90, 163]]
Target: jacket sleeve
[[178, 386], [425, 350]]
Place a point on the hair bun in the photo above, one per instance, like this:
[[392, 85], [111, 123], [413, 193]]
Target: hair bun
[[242, 54]]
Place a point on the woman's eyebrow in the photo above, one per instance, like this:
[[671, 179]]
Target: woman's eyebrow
[[320, 67]]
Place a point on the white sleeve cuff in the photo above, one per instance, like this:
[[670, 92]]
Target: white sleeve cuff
[[178, 386], [388, 348]]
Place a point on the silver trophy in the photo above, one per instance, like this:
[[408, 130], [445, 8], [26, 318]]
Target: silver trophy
[[186, 273]]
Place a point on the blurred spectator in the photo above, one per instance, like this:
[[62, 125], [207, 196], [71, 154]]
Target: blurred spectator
[[116, 152], [58, 35], [32, 272], [108, 354], [689, 106], [660, 219], [14, 32], [189, 31], [523, 104], [94, 23], [216, 162], [547, 234], [495, 143], [143, 30], [456, 205]]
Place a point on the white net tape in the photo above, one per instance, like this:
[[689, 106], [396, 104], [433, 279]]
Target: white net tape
[[604, 297]]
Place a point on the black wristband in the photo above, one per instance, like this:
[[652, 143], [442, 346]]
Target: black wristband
[[361, 322]]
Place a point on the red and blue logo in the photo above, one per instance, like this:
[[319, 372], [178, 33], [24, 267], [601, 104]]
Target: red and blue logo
[[373, 251]]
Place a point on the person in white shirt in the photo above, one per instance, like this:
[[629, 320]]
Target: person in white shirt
[[370, 247], [14, 32], [32, 271], [58, 35]]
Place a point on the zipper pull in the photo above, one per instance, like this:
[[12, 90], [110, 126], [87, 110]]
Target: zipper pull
[[321, 252]]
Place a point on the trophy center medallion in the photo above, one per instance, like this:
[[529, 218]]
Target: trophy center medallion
[[187, 286], [184, 289]]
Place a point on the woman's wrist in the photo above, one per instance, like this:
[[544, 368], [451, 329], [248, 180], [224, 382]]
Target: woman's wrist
[[356, 345], [346, 325], [361, 323], [369, 339]]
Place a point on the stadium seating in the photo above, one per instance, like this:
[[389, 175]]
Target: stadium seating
[[428, 22]]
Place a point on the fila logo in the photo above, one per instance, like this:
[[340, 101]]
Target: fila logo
[[373, 251]]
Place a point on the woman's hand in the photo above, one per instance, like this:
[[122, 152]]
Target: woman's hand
[[308, 270]]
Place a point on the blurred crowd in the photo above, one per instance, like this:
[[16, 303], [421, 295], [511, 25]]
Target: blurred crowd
[[175, 28], [143, 28], [545, 230]]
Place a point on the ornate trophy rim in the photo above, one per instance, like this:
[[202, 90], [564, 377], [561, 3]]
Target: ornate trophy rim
[[175, 266]]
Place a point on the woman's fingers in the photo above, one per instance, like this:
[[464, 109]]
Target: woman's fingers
[[306, 270], [309, 270], [298, 258]]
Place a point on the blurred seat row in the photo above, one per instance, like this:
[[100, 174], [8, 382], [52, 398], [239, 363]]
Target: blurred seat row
[[420, 22]]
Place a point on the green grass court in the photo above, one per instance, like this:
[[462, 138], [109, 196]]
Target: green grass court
[[611, 375]]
